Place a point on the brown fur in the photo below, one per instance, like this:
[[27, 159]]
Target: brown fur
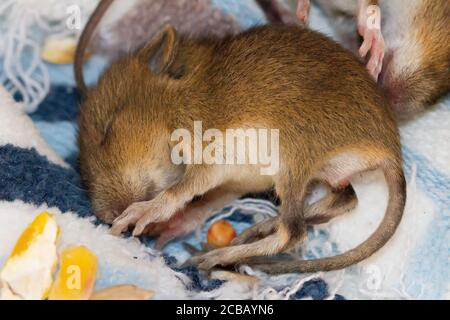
[[333, 124], [131, 36], [432, 80], [418, 83]]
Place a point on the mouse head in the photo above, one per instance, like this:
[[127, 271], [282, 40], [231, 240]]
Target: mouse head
[[125, 128]]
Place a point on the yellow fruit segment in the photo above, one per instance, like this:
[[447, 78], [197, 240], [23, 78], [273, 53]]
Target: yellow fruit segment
[[27, 273], [76, 276], [34, 230], [59, 50]]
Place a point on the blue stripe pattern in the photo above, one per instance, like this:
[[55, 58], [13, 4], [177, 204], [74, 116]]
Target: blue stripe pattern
[[433, 252]]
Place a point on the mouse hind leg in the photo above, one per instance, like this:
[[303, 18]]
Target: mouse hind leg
[[257, 231], [292, 189], [335, 203], [274, 243], [337, 171], [287, 231]]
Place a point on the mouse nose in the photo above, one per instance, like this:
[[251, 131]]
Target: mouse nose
[[108, 216], [113, 209]]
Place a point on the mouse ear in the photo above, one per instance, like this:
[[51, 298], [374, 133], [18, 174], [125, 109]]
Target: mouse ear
[[160, 52]]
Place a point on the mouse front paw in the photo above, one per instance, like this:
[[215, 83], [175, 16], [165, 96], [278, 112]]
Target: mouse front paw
[[128, 218], [139, 215]]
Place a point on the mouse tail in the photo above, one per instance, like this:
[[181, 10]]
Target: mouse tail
[[83, 43], [397, 198]]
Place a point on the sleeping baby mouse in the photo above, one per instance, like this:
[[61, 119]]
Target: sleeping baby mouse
[[331, 120]]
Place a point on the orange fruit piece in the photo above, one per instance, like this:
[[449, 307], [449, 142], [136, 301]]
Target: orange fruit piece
[[220, 234], [77, 274]]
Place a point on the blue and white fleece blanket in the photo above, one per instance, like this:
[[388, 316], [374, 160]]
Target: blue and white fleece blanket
[[38, 172]]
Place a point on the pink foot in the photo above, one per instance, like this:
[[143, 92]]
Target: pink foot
[[303, 7], [369, 27], [373, 42]]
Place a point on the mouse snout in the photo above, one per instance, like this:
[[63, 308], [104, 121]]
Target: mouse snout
[[113, 209], [109, 203], [108, 210], [108, 216]]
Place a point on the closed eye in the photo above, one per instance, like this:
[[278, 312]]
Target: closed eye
[[109, 123]]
